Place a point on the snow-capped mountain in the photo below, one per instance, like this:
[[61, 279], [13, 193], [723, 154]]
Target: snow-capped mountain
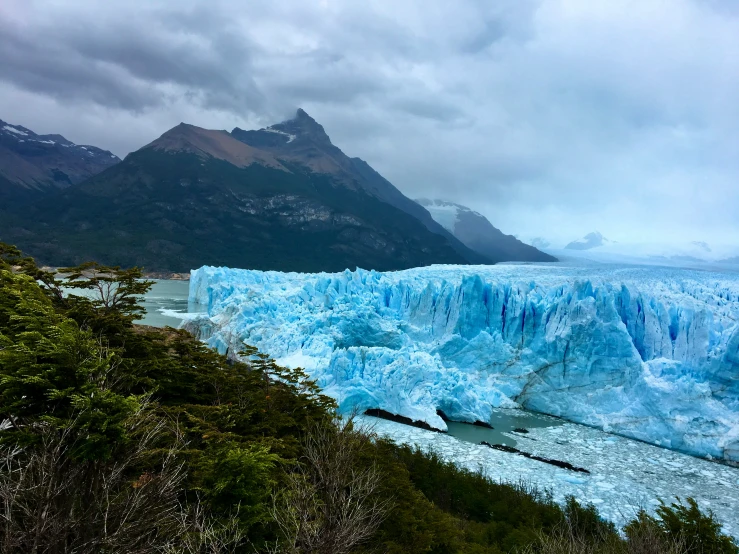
[[540, 242], [475, 231], [31, 164], [649, 353], [589, 241]]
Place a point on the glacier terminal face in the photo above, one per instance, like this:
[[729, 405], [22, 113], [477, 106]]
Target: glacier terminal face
[[645, 352]]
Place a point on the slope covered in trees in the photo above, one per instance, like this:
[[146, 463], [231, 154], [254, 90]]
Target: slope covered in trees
[[120, 438]]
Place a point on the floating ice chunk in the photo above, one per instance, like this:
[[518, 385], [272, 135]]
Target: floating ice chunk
[[177, 314]]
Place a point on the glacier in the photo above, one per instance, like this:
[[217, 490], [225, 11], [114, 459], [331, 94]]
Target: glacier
[[645, 352]]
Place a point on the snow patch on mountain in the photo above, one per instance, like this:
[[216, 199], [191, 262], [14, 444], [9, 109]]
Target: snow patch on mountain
[[15, 131], [290, 137], [445, 214], [649, 353]]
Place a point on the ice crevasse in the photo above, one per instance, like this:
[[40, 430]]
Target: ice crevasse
[[649, 353]]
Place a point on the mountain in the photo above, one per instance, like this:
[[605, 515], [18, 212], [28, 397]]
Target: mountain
[[476, 232], [32, 165], [702, 245], [589, 241], [303, 142], [197, 196], [540, 242], [697, 254]]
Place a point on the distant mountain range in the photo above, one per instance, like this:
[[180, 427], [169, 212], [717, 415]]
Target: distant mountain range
[[476, 232], [595, 247], [283, 197], [32, 165]]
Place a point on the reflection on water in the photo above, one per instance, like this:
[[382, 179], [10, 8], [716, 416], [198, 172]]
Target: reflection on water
[[166, 304], [503, 421]]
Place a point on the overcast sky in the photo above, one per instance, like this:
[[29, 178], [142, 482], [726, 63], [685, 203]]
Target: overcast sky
[[551, 117]]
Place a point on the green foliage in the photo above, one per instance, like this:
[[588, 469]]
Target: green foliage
[[238, 476], [115, 292], [76, 363], [470, 512], [585, 524], [52, 371], [699, 531]]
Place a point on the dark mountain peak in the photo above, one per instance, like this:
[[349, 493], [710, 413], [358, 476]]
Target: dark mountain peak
[[301, 114], [16, 131], [300, 140], [302, 126], [59, 139], [207, 143]]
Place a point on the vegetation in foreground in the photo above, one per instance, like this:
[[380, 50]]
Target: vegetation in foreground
[[120, 438]]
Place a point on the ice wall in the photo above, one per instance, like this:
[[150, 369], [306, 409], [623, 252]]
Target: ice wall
[[649, 353]]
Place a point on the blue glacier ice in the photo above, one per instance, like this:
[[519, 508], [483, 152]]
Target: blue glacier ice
[[648, 353]]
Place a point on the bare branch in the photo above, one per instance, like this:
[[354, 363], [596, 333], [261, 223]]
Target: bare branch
[[330, 504]]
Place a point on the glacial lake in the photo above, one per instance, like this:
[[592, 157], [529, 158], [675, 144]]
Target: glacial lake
[[166, 304]]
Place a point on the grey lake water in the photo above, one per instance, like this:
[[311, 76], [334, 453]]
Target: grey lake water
[[506, 426], [166, 304]]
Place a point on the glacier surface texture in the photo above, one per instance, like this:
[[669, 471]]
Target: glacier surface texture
[[649, 353]]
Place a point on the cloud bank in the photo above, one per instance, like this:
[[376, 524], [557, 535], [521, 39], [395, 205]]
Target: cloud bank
[[551, 117]]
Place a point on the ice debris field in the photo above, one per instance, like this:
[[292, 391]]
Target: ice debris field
[[625, 475], [642, 352]]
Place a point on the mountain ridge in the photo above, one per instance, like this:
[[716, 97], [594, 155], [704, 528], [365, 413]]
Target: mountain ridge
[[195, 196], [476, 232], [32, 165], [216, 144], [304, 142], [254, 192]]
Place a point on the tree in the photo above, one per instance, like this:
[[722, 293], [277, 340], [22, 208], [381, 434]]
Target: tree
[[701, 533], [330, 504], [53, 501]]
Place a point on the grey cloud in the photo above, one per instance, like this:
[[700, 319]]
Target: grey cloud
[[552, 117], [128, 64]]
